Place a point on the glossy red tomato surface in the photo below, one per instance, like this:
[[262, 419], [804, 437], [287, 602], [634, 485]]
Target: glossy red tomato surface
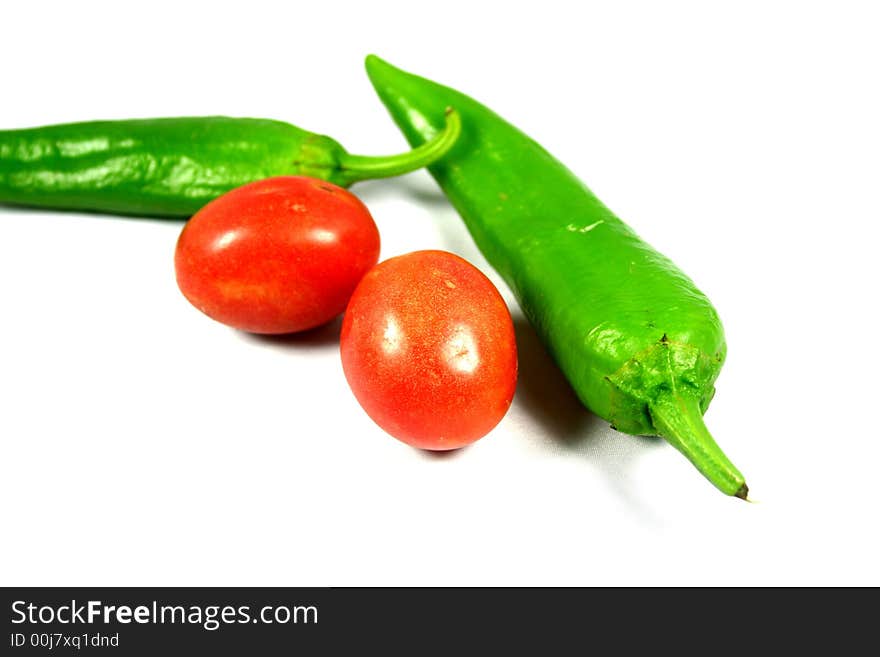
[[428, 349], [276, 256]]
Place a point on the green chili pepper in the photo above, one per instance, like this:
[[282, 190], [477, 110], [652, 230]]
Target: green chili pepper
[[639, 343], [174, 166]]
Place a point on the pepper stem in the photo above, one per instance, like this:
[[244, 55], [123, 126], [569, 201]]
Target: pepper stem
[[353, 168], [678, 419]]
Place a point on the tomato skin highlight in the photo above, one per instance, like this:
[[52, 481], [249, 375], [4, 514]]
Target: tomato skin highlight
[[428, 348], [279, 255]]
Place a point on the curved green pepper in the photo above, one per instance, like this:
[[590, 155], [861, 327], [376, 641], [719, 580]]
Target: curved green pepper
[[639, 343], [174, 166]]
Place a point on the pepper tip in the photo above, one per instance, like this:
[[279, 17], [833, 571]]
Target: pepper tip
[[374, 63], [743, 493]]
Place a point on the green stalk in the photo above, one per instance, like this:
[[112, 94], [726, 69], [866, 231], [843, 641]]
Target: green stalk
[[353, 168], [678, 419]]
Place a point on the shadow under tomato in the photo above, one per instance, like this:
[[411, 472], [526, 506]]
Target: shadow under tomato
[[322, 336], [442, 455]]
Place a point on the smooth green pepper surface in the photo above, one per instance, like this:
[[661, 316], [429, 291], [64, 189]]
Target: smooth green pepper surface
[[639, 343], [174, 166]]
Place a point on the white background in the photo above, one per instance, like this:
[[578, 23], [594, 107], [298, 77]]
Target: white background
[[142, 443]]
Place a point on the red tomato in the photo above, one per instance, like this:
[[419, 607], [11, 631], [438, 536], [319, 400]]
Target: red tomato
[[429, 351], [276, 256]]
